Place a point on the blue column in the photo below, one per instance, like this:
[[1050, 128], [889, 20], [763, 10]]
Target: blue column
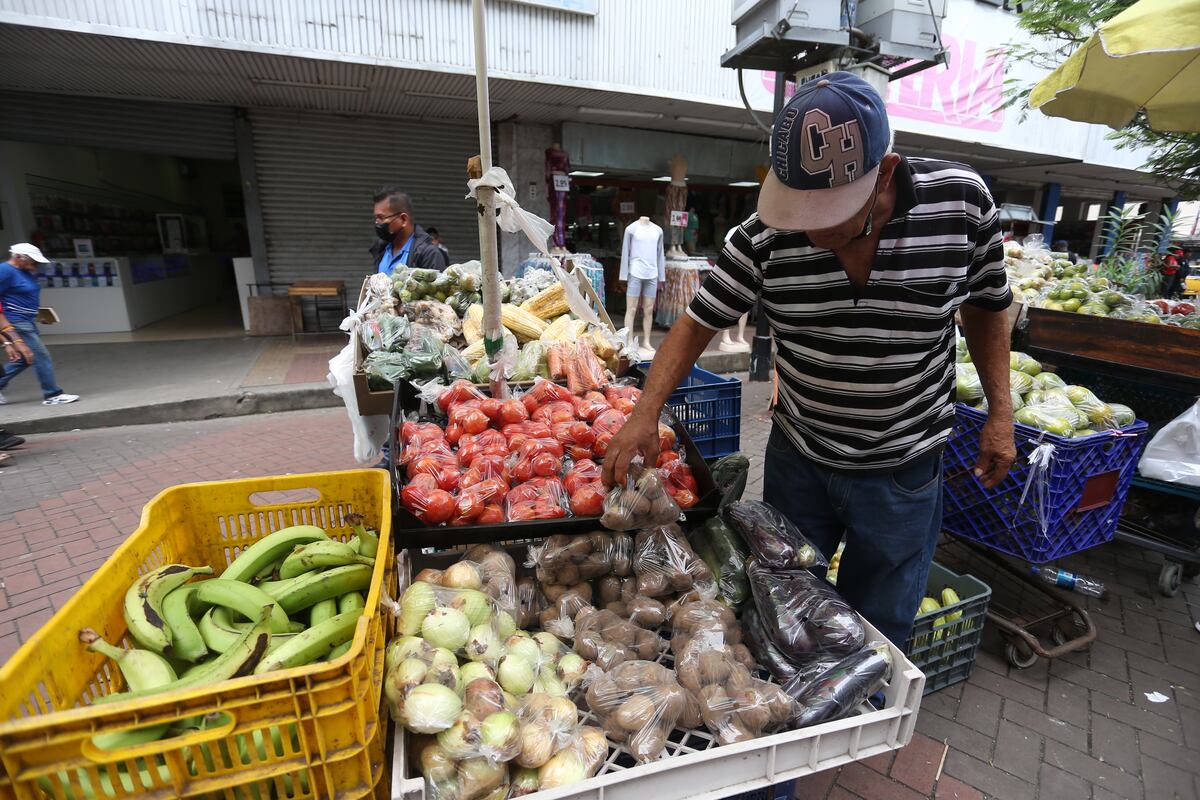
[[1170, 206], [1051, 193], [1117, 204]]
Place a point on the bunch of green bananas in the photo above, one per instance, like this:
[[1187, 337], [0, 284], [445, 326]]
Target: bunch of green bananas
[[292, 598]]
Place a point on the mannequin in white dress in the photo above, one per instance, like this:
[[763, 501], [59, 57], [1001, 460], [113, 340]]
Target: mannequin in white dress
[[727, 343], [643, 267]]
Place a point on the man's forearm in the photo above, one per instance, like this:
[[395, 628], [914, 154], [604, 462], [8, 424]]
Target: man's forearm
[[674, 359], [988, 340]]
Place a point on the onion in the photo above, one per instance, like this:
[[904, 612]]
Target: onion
[[482, 698], [547, 683], [478, 776], [447, 789], [571, 668], [431, 707], [484, 644], [416, 602], [510, 702], [429, 575], [475, 604], [564, 769], [550, 646], [521, 644], [595, 747], [523, 781], [463, 575], [446, 627], [409, 673], [402, 648], [516, 674], [461, 739], [505, 625], [537, 745], [443, 669], [500, 736], [563, 715], [473, 670], [436, 763]]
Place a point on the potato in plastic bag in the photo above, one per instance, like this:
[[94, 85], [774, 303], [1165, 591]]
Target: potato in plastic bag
[[740, 711], [664, 562], [842, 688], [570, 558], [603, 637], [638, 703], [772, 537], [530, 602], [803, 614], [642, 503]]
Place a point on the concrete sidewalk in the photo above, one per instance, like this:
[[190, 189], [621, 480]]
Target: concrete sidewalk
[[123, 383], [143, 382]]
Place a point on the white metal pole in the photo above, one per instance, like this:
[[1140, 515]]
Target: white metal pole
[[493, 331]]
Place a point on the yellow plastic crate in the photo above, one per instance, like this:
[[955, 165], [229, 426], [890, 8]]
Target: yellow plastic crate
[[308, 732]]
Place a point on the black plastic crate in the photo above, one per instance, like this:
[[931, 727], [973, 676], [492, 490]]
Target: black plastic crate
[[945, 651]]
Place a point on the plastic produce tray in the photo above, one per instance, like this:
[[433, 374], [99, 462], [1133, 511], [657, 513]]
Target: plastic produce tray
[[412, 532], [696, 768], [1084, 489], [710, 407], [946, 652], [331, 744]]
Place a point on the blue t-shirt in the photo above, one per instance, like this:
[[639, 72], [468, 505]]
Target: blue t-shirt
[[387, 264], [19, 293]]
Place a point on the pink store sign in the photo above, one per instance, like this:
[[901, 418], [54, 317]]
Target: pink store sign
[[966, 93]]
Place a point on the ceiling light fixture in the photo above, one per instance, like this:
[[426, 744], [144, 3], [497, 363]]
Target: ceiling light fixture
[[619, 112], [329, 87], [720, 123], [580, 173], [663, 178], [746, 184]]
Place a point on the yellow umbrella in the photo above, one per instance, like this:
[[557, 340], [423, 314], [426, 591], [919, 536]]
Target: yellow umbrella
[[1147, 57]]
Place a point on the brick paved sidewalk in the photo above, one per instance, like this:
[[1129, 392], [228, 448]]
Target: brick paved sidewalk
[[1081, 727]]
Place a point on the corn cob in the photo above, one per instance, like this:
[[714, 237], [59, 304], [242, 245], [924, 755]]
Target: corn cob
[[524, 325], [549, 303], [473, 324]]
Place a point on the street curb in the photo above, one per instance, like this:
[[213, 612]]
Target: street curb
[[724, 363], [261, 401]]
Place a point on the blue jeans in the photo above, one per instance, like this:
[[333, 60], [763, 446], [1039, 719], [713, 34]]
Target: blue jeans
[[890, 522], [42, 364]]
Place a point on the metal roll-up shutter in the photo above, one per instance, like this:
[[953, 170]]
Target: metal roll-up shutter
[[172, 129], [316, 174]]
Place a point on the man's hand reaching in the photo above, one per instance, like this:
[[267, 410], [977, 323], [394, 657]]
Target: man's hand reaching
[[639, 435]]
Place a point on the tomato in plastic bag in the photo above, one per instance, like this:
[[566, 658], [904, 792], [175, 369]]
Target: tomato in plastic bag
[[583, 471], [588, 499], [676, 473], [491, 406], [467, 508], [590, 406], [622, 398], [552, 413], [492, 513], [666, 437], [423, 481], [511, 412], [544, 391], [457, 392], [431, 506], [600, 449], [610, 421]]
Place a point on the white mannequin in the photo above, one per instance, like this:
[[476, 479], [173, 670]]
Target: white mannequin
[[678, 192], [732, 345], [643, 268]]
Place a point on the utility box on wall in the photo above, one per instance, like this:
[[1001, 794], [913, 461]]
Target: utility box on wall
[[903, 27], [772, 31]]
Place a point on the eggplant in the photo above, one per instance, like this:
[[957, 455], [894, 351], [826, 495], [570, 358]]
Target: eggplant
[[803, 614], [840, 689], [772, 537]]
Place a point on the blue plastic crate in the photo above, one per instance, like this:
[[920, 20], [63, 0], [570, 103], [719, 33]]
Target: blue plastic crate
[[779, 791], [1086, 485], [710, 407]]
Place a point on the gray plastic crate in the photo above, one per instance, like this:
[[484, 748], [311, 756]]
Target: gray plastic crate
[[946, 652]]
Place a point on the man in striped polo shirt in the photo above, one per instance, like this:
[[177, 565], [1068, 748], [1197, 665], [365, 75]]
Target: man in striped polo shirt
[[861, 258]]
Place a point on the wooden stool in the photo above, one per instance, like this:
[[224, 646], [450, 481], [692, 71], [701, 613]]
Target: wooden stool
[[316, 290]]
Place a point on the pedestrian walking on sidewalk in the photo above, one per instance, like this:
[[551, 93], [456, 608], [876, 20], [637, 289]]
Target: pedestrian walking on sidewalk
[[20, 295]]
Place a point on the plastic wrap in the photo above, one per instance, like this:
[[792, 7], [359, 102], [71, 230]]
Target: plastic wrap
[[531, 362], [729, 476], [498, 573], [842, 688], [623, 398], [603, 637], [1052, 418], [638, 703], [538, 498], [803, 615], [642, 503], [530, 602], [410, 662], [1173, 455], [456, 614], [435, 318], [1099, 413], [772, 537], [431, 504], [385, 332], [569, 558], [1019, 381], [540, 662], [1048, 380], [1123, 415], [723, 550], [664, 562], [763, 649], [1024, 363], [678, 479], [577, 438]]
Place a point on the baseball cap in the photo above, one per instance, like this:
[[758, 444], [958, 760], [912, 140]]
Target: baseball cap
[[26, 249], [825, 152]]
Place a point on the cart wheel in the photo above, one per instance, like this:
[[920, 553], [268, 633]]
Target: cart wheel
[[1169, 578], [1058, 636], [1019, 654]]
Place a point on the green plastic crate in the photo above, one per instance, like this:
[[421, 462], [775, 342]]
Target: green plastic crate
[[946, 652]]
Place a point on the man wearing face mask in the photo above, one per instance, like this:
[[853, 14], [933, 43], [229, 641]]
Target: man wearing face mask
[[861, 258], [401, 241]]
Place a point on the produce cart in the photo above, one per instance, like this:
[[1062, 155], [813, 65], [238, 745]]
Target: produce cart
[[694, 767], [1154, 369], [1076, 458]]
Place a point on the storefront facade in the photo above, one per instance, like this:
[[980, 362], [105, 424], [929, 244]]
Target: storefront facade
[[317, 107]]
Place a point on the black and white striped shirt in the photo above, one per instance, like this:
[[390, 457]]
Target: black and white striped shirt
[[866, 378]]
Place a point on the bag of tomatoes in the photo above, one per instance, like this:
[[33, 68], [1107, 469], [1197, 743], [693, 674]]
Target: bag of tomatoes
[[431, 504], [457, 392], [622, 398], [538, 498], [680, 483]]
